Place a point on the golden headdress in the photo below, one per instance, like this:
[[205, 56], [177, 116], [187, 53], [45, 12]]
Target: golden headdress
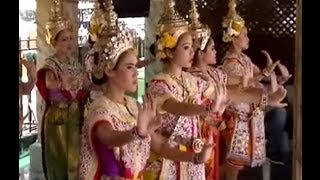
[[113, 41], [171, 25], [57, 22], [200, 32], [233, 23], [95, 29]]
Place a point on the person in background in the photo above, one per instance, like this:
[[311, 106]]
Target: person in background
[[276, 123], [25, 88]]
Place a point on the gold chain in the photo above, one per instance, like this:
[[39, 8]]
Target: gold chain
[[180, 82], [126, 115]]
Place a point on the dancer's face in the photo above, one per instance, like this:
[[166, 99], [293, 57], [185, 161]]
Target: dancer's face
[[125, 73], [242, 41], [63, 42], [208, 55], [182, 54]]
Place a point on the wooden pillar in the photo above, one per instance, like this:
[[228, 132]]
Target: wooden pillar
[[297, 127]]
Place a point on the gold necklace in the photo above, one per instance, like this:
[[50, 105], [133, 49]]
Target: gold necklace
[[186, 97], [180, 82], [125, 114]]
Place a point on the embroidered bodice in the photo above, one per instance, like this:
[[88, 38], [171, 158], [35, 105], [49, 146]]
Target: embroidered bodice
[[65, 72]]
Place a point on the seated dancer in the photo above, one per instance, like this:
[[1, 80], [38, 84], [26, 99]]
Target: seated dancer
[[118, 133], [25, 88], [245, 134], [61, 83]]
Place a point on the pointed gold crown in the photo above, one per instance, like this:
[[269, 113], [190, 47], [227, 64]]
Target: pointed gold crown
[[113, 40], [233, 23], [170, 26], [109, 21], [57, 22], [95, 29], [200, 32]]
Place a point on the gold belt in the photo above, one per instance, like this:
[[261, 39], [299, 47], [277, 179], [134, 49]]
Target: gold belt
[[195, 144]]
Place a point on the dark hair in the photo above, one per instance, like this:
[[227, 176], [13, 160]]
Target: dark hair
[[96, 58], [95, 80], [152, 49], [100, 81], [90, 41]]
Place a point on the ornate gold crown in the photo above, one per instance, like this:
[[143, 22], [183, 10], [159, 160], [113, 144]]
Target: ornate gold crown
[[96, 21], [200, 32], [233, 23], [57, 22], [171, 25], [113, 41]]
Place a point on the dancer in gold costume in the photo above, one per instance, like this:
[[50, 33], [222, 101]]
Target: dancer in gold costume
[[178, 95], [205, 57], [117, 134], [61, 83], [115, 141], [244, 135]]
